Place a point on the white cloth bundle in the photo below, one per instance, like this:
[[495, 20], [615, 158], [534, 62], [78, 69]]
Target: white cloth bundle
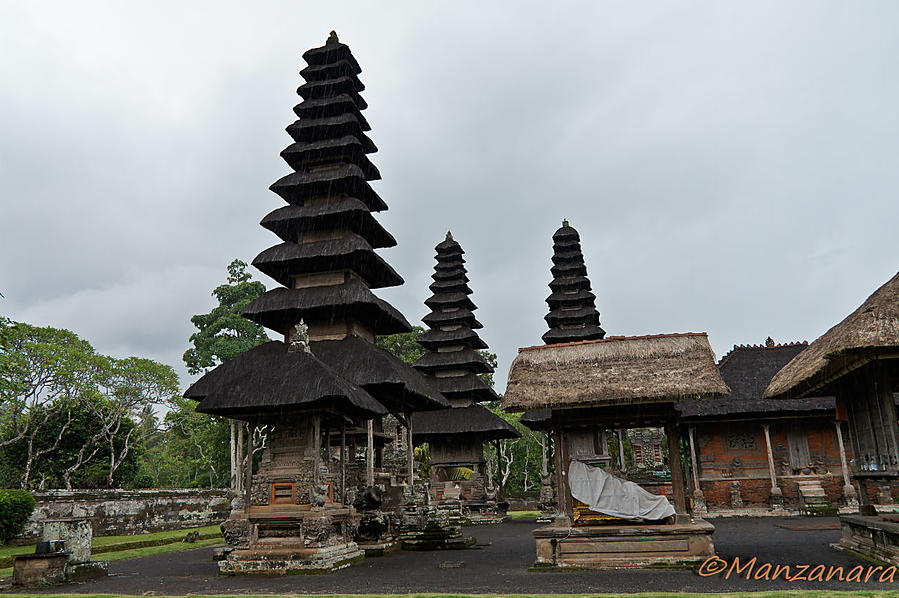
[[608, 495]]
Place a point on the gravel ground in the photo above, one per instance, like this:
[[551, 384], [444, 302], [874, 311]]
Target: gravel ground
[[499, 567]]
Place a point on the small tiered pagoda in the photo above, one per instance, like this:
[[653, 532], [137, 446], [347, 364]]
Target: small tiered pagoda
[[572, 313], [326, 266], [456, 436]]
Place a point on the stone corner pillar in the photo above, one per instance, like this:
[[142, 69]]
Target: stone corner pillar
[[777, 498], [850, 498]]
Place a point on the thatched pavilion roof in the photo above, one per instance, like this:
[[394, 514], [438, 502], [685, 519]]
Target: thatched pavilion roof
[[474, 420], [274, 378], [871, 331], [614, 371]]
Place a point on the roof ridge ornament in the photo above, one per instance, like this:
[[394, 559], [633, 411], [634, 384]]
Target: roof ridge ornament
[[332, 38], [565, 222], [449, 235], [300, 339]]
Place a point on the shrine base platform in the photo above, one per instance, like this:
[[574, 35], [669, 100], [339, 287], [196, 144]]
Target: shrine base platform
[[630, 545], [875, 537], [286, 559]]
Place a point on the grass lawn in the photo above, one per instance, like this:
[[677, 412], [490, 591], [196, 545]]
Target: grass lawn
[[523, 514], [116, 548], [780, 594]]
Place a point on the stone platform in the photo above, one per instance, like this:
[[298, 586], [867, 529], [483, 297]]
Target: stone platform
[[875, 537], [630, 545], [290, 559]]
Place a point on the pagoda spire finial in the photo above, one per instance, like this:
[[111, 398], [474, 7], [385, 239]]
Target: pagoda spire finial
[[332, 38], [449, 235], [565, 222]]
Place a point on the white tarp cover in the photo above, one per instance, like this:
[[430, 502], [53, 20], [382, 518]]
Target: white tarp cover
[[608, 495]]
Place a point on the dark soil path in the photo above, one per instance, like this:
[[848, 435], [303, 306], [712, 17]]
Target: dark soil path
[[500, 567]]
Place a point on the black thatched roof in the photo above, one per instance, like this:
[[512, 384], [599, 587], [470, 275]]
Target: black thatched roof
[[468, 387], [316, 130], [572, 316], [467, 359], [301, 156], [292, 223], [434, 338], [272, 379], [747, 370], [332, 70], [393, 383], [325, 107], [333, 51], [474, 420], [346, 179], [279, 309], [348, 253], [460, 316], [536, 419]]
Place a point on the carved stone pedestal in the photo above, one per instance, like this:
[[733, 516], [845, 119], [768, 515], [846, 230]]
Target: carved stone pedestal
[[434, 527]]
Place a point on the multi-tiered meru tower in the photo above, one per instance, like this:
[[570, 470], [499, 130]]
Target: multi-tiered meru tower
[[572, 313], [456, 436], [298, 513]]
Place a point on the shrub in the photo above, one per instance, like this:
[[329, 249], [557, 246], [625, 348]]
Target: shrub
[[16, 507]]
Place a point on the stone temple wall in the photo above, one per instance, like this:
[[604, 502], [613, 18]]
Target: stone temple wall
[[121, 512]]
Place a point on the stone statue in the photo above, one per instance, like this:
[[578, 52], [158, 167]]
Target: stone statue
[[300, 339]]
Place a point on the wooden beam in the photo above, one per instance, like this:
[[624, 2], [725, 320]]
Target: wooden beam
[[248, 484], [770, 454], [838, 426], [370, 454], [316, 448], [693, 464], [410, 450], [233, 453], [240, 457]]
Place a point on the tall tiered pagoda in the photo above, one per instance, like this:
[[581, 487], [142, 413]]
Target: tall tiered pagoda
[[456, 436], [326, 267], [572, 313]]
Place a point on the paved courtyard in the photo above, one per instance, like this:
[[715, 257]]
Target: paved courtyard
[[500, 566]]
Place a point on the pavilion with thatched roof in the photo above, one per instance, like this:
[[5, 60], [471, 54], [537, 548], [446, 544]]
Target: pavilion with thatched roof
[[589, 386], [858, 361]]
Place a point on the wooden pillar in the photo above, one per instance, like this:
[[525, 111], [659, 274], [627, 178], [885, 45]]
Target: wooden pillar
[[248, 483], [241, 457], [845, 467], [410, 450], [316, 448], [770, 456], [621, 464], [544, 466], [696, 487], [370, 454], [561, 462], [233, 451], [677, 471], [343, 458], [489, 465]]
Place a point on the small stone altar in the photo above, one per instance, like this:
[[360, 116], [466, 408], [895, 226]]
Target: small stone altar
[[63, 555]]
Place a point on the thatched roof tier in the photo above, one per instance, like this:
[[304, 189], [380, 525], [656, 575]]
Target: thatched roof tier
[[326, 107], [348, 148], [433, 362], [576, 315], [456, 274], [273, 378], [469, 386], [869, 333], [451, 299], [747, 370], [573, 334], [393, 383], [613, 372], [474, 420], [332, 51], [536, 419], [314, 90], [461, 316], [572, 315], [280, 308], [352, 252], [291, 223], [332, 70], [434, 338], [450, 285], [573, 297], [343, 180], [311, 130], [569, 284]]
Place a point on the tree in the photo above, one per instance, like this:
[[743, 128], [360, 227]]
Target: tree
[[41, 366], [224, 333], [404, 345]]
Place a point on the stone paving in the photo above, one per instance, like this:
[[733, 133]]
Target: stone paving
[[499, 565]]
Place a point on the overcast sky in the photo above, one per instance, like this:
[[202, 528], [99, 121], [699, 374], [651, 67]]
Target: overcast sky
[[732, 167]]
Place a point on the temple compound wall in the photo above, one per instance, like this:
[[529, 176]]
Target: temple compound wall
[[125, 512]]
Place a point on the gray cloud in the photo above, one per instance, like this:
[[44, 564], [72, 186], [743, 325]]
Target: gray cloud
[[731, 167]]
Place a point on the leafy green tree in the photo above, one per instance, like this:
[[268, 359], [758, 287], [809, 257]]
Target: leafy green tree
[[404, 345], [223, 333]]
